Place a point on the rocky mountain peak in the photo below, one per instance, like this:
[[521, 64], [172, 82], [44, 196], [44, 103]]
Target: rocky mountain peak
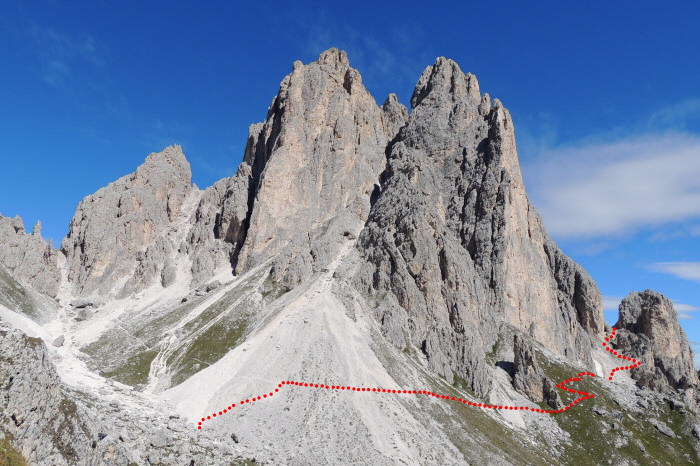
[[394, 115], [37, 228], [356, 244], [29, 257], [111, 228], [170, 175], [453, 227], [648, 329], [334, 58], [445, 80], [317, 157]]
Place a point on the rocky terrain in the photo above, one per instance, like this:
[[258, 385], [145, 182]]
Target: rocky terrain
[[359, 245]]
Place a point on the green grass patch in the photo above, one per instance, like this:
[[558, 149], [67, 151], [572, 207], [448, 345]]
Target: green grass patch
[[151, 330], [9, 456], [208, 348], [135, 371], [121, 353], [464, 424], [593, 436], [271, 290], [16, 297]]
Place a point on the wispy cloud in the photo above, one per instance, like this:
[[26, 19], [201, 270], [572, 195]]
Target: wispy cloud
[[62, 54], [696, 349], [604, 189], [611, 303], [684, 310], [159, 134], [213, 169], [678, 115], [674, 232], [685, 270]]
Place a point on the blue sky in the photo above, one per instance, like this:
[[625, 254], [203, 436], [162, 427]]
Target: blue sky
[[605, 98]]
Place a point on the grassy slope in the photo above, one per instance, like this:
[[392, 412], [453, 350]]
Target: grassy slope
[[594, 436], [205, 340], [135, 343], [16, 297], [9, 456]]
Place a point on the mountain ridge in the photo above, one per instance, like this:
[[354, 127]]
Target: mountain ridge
[[365, 244]]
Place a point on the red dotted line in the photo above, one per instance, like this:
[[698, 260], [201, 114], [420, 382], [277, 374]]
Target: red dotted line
[[584, 395], [614, 353]]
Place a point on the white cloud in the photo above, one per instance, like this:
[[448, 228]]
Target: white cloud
[[685, 270], [611, 303], [594, 190], [675, 232], [680, 307], [684, 310], [61, 53], [676, 115]]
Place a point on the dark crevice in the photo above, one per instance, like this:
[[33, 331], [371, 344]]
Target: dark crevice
[[245, 225], [507, 366], [442, 259], [374, 196]]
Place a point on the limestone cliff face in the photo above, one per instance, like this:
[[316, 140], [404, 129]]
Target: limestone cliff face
[[111, 228], [317, 157], [218, 226], [648, 330], [528, 377], [446, 225], [454, 238], [28, 256]]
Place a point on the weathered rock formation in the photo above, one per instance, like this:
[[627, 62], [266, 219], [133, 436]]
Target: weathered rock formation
[[453, 237], [219, 224], [528, 378], [28, 256], [316, 158], [448, 228], [648, 330], [112, 228], [45, 424], [449, 256]]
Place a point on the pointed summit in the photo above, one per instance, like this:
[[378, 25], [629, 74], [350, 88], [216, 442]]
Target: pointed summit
[[452, 235], [28, 256], [315, 159], [111, 228], [445, 79]]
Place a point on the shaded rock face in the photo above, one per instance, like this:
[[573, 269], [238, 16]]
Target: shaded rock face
[[46, 426], [220, 223], [454, 238], [529, 379], [648, 330], [28, 256], [111, 227]]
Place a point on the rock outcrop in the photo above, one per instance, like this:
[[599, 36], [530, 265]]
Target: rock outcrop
[[220, 223], [316, 158], [28, 256], [528, 378], [454, 238], [112, 228], [45, 424], [648, 330]]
